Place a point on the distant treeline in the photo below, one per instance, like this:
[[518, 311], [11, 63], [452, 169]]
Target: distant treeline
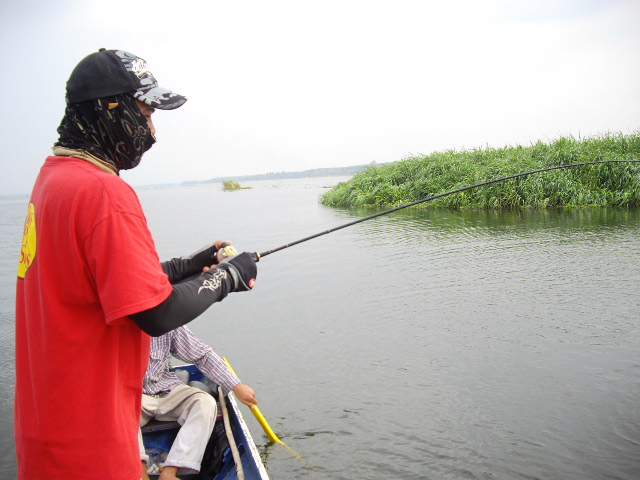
[[418, 177], [316, 172]]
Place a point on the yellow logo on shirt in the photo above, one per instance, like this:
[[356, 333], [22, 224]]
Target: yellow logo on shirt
[[28, 253]]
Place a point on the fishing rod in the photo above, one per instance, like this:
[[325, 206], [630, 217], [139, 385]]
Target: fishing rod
[[434, 197]]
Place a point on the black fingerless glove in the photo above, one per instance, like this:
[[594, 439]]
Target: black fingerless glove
[[180, 268], [243, 270]]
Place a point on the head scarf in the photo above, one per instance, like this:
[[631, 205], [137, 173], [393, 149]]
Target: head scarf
[[117, 135]]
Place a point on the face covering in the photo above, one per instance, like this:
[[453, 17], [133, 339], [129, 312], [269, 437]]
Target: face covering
[[117, 135]]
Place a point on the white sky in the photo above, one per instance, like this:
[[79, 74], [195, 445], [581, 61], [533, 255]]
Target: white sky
[[290, 85]]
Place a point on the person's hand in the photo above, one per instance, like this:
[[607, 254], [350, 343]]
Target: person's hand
[[245, 394], [243, 270]]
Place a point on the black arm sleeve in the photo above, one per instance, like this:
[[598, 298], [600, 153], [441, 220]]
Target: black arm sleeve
[[189, 299], [180, 268]]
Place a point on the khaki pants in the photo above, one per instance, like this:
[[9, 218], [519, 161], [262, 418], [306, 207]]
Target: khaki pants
[[195, 410]]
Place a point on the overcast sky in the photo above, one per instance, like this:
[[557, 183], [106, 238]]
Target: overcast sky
[[290, 85]]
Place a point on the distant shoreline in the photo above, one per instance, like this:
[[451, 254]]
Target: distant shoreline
[[315, 172]]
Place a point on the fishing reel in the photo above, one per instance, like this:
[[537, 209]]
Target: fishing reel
[[225, 252]]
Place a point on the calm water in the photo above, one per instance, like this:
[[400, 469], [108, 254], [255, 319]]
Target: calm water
[[431, 345]]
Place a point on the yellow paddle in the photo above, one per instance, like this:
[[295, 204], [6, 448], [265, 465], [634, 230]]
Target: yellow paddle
[[258, 414], [263, 421]]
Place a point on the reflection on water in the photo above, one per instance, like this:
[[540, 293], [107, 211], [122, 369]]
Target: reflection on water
[[422, 344]]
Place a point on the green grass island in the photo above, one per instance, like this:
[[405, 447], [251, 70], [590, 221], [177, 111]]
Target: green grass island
[[417, 177]]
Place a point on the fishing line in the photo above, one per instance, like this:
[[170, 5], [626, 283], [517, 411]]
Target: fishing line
[[440, 195]]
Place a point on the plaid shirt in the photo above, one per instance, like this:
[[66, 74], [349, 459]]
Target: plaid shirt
[[182, 344]]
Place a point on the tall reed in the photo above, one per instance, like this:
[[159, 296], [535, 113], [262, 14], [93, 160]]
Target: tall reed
[[417, 177]]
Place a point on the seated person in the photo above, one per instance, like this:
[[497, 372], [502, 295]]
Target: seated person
[[166, 398]]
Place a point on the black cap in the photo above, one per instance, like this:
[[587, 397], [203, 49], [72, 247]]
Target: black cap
[[114, 72]]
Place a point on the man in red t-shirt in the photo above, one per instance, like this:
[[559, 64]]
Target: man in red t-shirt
[[90, 285]]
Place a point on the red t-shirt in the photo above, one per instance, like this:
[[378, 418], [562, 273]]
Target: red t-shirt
[[88, 260]]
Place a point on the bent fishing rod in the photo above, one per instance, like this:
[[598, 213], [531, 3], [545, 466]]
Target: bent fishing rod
[[258, 256]]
